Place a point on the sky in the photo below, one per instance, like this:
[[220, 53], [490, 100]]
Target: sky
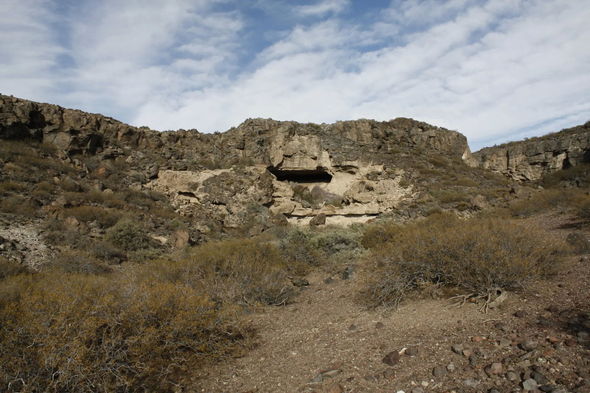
[[495, 70]]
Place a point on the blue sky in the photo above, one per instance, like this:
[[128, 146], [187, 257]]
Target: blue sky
[[495, 70]]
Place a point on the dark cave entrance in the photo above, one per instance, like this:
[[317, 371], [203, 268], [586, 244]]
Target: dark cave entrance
[[318, 175]]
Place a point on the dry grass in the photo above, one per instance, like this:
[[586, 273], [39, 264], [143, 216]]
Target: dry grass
[[474, 257], [138, 329], [84, 333]]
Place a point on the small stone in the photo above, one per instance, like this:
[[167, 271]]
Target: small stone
[[299, 282], [467, 353], [539, 378], [352, 327], [493, 390], [570, 342], [471, 382], [529, 345], [504, 343], [529, 384], [512, 376], [439, 371], [328, 280], [553, 339], [391, 359], [379, 325], [335, 388], [389, 373], [451, 367], [458, 349], [583, 336], [520, 314], [477, 339], [417, 390], [494, 369], [548, 388], [331, 373], [412, 351]]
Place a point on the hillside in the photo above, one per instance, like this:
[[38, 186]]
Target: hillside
[[281, 257]]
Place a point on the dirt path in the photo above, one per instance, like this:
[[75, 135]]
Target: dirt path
[[327, 342]]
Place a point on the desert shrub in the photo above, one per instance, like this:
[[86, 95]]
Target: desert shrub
[[129, 236], [10, 268], [83, 333], [578, 175], [450, 196], [9, 187], [473, 256], [545, 200], [297, 248], [242, 271], [107, 252], [103, 216], [583, 209], [77, 262], [331, 241], [18, 205]]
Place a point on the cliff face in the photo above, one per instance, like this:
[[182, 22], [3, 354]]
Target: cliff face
[[349, 171], [533, 158]]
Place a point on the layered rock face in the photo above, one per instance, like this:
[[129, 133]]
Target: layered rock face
[[348, 171], [533, 158]]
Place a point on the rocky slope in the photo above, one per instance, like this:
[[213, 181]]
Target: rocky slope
[[345, 172], [533, 158]]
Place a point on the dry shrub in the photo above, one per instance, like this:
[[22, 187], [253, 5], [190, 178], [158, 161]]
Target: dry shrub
[[18, 205], [474, 256], [77, 262], [10, 268], [81, 333], [130, 236], [103, 216], [549, 199], [240, 271]]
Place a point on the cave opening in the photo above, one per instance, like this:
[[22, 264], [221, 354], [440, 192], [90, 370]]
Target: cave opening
[[318, 175]]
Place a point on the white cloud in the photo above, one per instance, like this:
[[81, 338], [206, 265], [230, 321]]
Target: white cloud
[[492, 69], [322, 7]]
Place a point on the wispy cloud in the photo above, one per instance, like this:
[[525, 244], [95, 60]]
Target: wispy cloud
[[494, 69], [323, 7]]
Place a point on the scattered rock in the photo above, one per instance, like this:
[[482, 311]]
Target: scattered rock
[[529, 384], [318, 220], [392, 358], [389, 374], [451, 367], [412, 351], [458, 349], [380, 325], [439, 371], [494, 369], [539, 378], [471, 382], [299, 282], [417, 390], [529, 345], [520, 314]]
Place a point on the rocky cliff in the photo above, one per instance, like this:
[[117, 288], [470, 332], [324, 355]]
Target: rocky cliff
[[345, 172], [533, 158]]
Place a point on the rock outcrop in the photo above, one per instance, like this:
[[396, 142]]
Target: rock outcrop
[[350, 171], [533, 158]]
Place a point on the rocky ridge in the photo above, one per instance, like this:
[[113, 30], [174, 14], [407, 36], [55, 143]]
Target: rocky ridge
[[533, 158], [346, 172]]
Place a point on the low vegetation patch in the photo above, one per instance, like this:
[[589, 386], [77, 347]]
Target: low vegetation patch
[[470, 257]]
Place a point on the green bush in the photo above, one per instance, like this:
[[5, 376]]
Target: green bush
[[473, 256], [129, 236]]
